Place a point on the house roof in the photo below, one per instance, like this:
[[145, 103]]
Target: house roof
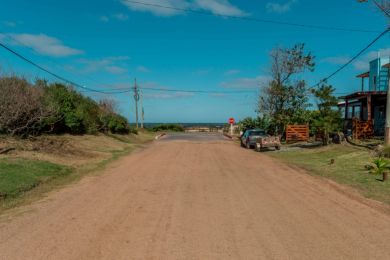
[[386, 65], [361, 94], [364, 75]]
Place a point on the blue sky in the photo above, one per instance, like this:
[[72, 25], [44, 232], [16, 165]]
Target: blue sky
[[108, 43]]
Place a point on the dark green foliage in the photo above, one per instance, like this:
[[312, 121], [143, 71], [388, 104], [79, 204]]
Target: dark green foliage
[[327, 118], [41, 108], [75, 113], [261, 122], [168, 127], [285, 98]]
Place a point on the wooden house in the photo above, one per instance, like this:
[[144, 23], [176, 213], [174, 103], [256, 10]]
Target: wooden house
[[365, 110]]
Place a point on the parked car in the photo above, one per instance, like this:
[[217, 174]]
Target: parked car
[[248, 139], [267, 142]]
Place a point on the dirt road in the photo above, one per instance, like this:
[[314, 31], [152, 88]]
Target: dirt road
[[196, 200]]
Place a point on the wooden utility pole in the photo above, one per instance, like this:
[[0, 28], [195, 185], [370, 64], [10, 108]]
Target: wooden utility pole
[[136, 98], [142, 109]]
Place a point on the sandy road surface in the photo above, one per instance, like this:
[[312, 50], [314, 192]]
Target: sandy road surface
[[196, 200]]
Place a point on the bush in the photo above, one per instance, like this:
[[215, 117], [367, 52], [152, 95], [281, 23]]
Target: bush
[[169, 127], [75, 113], [22, 108], [27, 109]]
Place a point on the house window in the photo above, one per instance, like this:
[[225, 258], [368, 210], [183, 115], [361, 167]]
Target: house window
[[350, 112], [356, 112]]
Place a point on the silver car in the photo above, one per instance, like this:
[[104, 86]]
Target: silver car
[[248, 139]]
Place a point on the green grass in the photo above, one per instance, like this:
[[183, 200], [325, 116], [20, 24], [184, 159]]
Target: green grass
[[18, 176], [348, 169]]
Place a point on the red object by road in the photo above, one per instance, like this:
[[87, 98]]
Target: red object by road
[[231, 121]]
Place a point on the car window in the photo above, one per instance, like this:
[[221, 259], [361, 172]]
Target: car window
[[257, 133]]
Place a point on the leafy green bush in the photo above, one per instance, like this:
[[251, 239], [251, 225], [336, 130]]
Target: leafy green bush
[[74, 113], [32, 109], [169, 127]]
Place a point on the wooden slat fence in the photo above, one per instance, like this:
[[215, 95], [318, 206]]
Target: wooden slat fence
[[362, 129], [297, 133]]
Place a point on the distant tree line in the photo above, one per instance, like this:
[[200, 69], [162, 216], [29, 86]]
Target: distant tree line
[[168, 127], [33, 109]]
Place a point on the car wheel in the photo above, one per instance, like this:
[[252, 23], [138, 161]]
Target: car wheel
[[277, 148], [248, 145]]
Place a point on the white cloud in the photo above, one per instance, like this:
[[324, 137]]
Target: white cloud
[[172, 7], [10, 23], [120, 17], [255, 82], [362, 64], [279, 8], [202, 72], [44, 44], [155, 9], [232, 72], [336, 60], [104, 19], [115, 69], [143, 69], [223, 7], [108, 64]]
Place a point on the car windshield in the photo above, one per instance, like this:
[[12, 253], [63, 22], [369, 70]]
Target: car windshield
[[256, 133]]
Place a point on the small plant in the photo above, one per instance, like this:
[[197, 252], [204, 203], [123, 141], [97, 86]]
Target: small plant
[[381, 166]]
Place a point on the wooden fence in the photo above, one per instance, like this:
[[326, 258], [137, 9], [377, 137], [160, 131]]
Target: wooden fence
[[362, 129], [297, 133]]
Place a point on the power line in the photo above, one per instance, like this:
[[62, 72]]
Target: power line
[[261, 20], [353, 58], [54, 74], [198, 91], [10, 37]]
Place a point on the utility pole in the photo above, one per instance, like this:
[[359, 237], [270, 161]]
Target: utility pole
[[384, 7], [136, 98], [142, 109]]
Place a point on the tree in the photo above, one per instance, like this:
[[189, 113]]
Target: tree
[[22, 110], [261, 122], [327, 118], [285, 99]]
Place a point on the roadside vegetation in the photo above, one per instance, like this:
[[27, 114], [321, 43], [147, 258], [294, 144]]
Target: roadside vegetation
[[168, 127], [284, 99], [51, 135], [28, 109], [345, 164]]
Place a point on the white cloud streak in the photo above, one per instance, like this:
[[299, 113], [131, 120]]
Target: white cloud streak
[[42, 44], [246, 83], [362, 64], [108, 64], [279, 8], [223, 7]]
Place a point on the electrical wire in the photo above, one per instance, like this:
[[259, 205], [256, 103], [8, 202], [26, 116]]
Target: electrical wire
[[56, 75], [261, 20], [353, 58]]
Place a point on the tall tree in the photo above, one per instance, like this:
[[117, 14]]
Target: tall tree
[[285, 99], [327, 119]]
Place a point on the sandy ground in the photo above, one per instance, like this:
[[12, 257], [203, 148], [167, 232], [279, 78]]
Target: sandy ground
[[197, 200]]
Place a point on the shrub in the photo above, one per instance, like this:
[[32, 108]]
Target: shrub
[[27, 109], [169, 127], [22, 108], [75, 113]]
